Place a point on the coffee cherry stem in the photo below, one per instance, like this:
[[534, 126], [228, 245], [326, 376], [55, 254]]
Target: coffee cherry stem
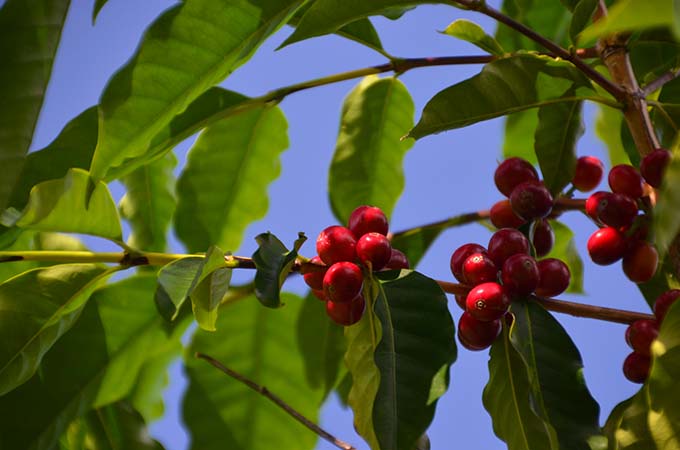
[[565, 307]]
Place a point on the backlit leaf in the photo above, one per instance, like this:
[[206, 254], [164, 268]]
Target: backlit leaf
[[474, 34], [666, 219], [520, 129], [607, 126], [630, 15]]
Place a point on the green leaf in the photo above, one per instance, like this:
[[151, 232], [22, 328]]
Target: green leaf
[[117, 426], [321, 343], [627, 427], [630, 15], [565, 250], [547, 18], [149, 203], [413, 356], [224, 185], [94, 364], [666, 218], [474, 34], [273, 262], [653, 52], [507, 398], [328, 16], [209, 287], [29, 36], [503, 87], [560, 126], [583, 14], [367, 164], [520, 128], [63, 205], [175, 281], [555, 372], [98, 5], [36, 309], [259, 343], [168, 71], [607, 126]]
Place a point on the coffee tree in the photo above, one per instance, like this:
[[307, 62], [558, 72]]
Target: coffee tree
[[87, 336]]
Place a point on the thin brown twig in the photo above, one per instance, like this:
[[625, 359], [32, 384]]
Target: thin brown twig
[[278, 401], [658, 83], [565, 307]]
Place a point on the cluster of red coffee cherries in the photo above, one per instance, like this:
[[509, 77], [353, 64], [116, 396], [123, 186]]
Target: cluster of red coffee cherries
[[347, 252], [498, 274], [623, 231], [640, 335]]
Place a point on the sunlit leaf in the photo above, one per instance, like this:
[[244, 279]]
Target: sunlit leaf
[[175, 281], [273, 262], [259, 343], [37, 308], [149, 203], [29, 36], [209, 287], [183, 53], [630, 15], [367, 164], [520, 128], [223, 187], [583, 12], [503, 87], [474, 34], [607, 126]]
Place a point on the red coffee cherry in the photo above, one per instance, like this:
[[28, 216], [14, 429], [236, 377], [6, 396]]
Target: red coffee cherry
[[636, 367], [512, 172], [478, 268], [460, 255], [531, 200], [625, 179], [318, 293], [476, 335], [460, 300], [374, 248], [553, 277], [617, 210], [640, 335], [397, 260], [506, 242], [544, 238], [593, 204], [315, 279], [640, 262], [606, 246], [663, 302], [588, 173], [346, 313], [520, 275], [653, 166], [342, 282], [336, 244], [487, 302], [366, 219], [502, 215]]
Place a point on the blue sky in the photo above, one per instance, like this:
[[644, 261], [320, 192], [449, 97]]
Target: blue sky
[[446, 174]]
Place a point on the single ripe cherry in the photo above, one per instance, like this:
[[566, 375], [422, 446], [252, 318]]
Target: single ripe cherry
[[520, 275], [636, 367], [374, 248], [654, 165], [553, 277], [460, 255], [342, 282], [397, 260], [318, 293], [544, 238], [663, 302], [346, 313], [588, 173], [640, 262], [487, 302], [511, 172], [617, 210], [594, 202], [502, 215], [606, 246], [531, 200], [625, 179], [336, 244], [315, 279], [476, 335], [640, 335], [478, 268], [366, 219], [506, 242]]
